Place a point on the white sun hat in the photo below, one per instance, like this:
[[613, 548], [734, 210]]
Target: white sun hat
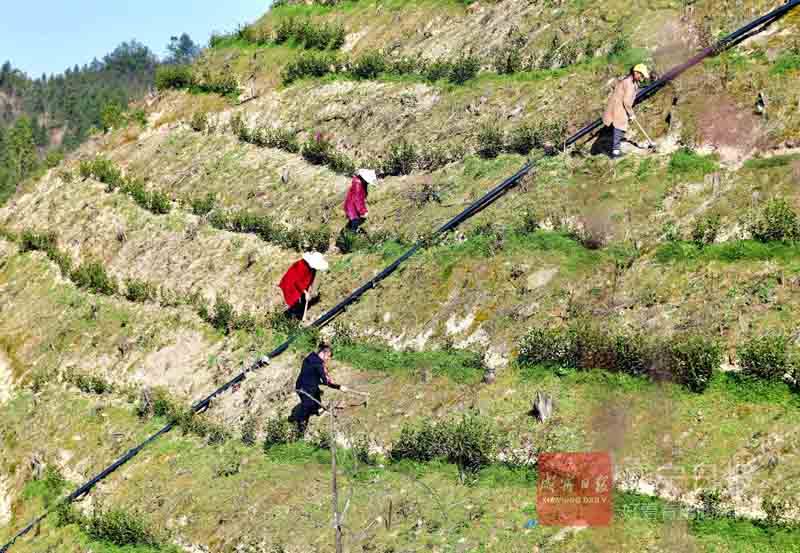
[[316, 260], [368, 175]]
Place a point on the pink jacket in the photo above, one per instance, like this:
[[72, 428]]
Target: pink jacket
[[355, 204]]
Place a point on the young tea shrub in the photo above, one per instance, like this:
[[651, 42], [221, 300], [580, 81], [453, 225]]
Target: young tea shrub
[[361, 446], [223, 83], [93, 276], [199, 121], [491, 141], [404, 66], [348, 241], [692, 360], [767, 357], [139, 116], [776, 222], [277, 431], [281, 139], [140, 291], [90, 384], [401, 158], [308, 64], [318, 239], [66, 514], [437, 70], [310, 35], [524, 138], [204, 204], [239, 127], [121, 528], [173, 76], [112, 116], [102, 170], [32, 241], [528, 136], [424, 441], [158, 202], [463, 69], [224, 315], [317, 149], [705, 230], [548, 346], [632, 353], [249, 430], [470, 442], [507, 59], [339, 162], [284, 30], [368, 65]]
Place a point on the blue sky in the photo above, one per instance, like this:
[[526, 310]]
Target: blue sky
[[50, 35]]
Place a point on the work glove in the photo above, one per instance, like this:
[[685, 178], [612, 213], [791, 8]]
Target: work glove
[[343, 389], [264, 360], [633, 117]]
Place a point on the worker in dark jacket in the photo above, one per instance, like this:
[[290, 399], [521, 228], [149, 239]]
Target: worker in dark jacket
[[313, 374], [298, 281]]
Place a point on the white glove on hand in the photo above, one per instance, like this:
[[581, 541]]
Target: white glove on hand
[[343, 389], [633, 117], [264, 360]]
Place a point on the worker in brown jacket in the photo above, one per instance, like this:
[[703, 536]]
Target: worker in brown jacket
[[619, 110]]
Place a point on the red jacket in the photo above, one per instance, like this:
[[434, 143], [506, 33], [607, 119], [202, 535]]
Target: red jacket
[[296, 281], [355, 204]]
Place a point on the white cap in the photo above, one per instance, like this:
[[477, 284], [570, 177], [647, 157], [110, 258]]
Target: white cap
[[316, 260], [368, 175]]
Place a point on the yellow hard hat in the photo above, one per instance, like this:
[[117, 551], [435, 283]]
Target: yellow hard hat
[[642, 68]]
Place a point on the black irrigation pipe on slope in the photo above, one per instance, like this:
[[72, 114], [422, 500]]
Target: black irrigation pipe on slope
[[486, 200]]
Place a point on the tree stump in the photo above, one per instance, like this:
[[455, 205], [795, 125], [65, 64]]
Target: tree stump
[[542, 407]]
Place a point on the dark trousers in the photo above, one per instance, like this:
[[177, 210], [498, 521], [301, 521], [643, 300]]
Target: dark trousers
[[354, 224], [303, 411], [617, 136], [296, 311]]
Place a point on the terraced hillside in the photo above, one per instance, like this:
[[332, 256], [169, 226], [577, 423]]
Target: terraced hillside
[[653, 298]]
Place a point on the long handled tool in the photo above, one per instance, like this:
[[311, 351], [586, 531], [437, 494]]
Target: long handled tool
[[650, 143]]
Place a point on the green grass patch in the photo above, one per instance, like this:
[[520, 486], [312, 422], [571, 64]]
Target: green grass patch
[[727, 252], [298, 453], [458, 365], [392, 249], [48, 487], [688, 163], [488, 242], [754, 390], [787, 62], [763, 163], [738, 535]]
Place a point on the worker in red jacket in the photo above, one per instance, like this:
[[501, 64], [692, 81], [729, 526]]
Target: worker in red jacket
[[297, 282], [355, 204]]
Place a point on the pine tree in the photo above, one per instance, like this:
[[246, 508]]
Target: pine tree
[[21, 149]]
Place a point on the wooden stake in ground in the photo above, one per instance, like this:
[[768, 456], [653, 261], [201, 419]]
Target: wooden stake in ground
[[337, 517]]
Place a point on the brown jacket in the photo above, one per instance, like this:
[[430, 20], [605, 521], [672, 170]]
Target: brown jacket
[[620, 103]]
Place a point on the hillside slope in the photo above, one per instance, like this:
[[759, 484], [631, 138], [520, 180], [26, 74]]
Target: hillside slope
[[142, 272]]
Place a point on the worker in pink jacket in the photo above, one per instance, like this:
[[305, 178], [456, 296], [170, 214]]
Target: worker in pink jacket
[[355, 204]]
